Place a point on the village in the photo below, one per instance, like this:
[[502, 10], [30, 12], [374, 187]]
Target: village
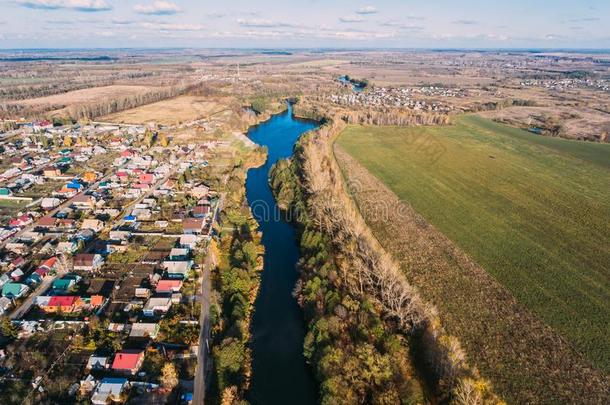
[[401, 97], [104, 227], [566, 84]]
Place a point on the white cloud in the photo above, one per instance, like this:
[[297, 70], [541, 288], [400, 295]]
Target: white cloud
[[400, 25], [465, 22], [367, 10], [172, 27], [157, 8], [78, 5], [351, 19], [260, 23], [120, 21]]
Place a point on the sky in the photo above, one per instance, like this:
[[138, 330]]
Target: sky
[[305, 24]]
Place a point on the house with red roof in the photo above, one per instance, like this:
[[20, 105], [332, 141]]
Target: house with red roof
[[128, 153], [146, 178], [168, 286], [46, 222], [63, 303], [201, 211], [122, 176], [42, 272], [128, 361], [50, 263], [193, 225], [46, 267], [20, 221]]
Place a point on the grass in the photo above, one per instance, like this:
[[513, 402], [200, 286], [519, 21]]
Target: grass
[[533, 211], [13, 204]]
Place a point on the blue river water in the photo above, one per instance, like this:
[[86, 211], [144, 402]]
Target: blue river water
[[280, 374]]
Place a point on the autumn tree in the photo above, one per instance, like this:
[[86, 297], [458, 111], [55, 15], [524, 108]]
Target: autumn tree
[[163, 141], [169, 376], [8, 329]]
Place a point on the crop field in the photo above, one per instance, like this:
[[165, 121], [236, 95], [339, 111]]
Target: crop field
[[169, 112], [532, 211]]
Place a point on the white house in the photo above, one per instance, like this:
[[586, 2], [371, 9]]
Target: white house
[[97, 363], [157, 305], [108, 389]]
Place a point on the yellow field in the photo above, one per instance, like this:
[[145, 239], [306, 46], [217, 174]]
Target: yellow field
[[169, 112], [86, 95]]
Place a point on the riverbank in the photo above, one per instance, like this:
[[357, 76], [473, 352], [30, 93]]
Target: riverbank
[[235, 281], [360, 308]]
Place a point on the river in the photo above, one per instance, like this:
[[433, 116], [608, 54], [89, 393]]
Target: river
[[280, 374]]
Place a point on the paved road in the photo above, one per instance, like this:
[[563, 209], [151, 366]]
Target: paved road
[[203, 363], [23, 309]]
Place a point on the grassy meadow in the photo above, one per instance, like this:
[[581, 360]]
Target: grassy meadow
[[533, 211]]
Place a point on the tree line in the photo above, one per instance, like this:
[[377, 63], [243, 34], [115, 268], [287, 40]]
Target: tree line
[[345, 271]]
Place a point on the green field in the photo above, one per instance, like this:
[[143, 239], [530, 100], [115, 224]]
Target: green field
[[533, 211]]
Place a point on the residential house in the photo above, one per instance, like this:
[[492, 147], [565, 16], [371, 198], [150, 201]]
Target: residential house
[[168, 286], [199, 191], [88, 261], [83, 202], [94, 224], [67, 247], [17, 275], [50, 264], [188, 241], [85, 235], [51, 172], [74, 185], [109, 390], [5, 304], [46, 221], [128, 361], [179, 254], [142, 292], [146, 178], [20, 221], [89, 177], [17, 248], [33, 279], [63, 303], [4, 279], [66, 224], [144, 330], [14, 290], [97, 363], [177, 269], [193, 226], [201, 211], [119, 236], [63, 284], [66, 192], [96, 301], [157, 306]]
